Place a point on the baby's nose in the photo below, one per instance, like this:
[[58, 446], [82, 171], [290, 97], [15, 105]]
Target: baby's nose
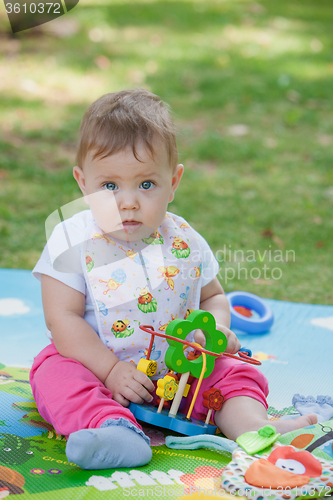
[[128, 201]]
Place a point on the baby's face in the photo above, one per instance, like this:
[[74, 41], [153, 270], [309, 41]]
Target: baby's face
[[127, 197]]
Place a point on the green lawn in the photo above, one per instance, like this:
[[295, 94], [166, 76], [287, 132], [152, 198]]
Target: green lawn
[[250, 84]]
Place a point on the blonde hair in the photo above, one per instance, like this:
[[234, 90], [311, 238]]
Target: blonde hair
[[121, 119]]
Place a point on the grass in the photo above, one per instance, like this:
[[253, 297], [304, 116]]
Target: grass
[[250, 86]]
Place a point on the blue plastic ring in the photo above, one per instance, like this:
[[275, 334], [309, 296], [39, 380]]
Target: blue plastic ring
[[251, 301], [247, 351]]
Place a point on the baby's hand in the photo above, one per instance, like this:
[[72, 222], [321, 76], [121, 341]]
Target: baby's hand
[[199, 337], [233, 345], [128, 384]]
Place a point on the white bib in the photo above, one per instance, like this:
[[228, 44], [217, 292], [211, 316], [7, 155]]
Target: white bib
[[149, 282]]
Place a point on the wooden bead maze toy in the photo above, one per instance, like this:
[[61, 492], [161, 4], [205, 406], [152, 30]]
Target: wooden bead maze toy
[[174, 386]]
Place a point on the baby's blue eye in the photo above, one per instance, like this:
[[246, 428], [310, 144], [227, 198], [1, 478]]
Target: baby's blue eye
[[147, 185], [110, 186]]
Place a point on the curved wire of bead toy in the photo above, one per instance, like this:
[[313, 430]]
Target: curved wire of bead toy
[[242, 356]]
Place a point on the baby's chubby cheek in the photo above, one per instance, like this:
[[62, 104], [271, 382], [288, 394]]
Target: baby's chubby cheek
[[105, 210]]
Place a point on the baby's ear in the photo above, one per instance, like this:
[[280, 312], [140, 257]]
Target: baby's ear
[[176, 177], [79, 177]]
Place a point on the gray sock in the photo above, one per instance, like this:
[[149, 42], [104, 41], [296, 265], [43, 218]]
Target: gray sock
[[117, 443], [322, 406]]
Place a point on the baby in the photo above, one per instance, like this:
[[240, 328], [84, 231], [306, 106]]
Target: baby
[[126, 261]]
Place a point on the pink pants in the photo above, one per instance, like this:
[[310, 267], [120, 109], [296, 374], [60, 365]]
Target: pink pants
[[70, 397]]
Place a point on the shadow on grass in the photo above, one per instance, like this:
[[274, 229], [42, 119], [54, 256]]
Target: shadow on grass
[[223, 63]]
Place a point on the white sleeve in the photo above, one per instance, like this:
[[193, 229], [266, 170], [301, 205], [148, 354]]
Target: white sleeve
[[61, 257], [210, 266], [64, 263], [44, 266]]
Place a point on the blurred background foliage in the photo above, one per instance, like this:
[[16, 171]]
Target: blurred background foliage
[[250, 85]]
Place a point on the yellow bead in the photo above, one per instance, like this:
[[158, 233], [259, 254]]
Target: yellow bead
[[166, 387], [147, 366], [187, 388]]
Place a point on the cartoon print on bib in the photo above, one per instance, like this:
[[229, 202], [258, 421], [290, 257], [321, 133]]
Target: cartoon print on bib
[[184, 295], [120, 328], [137, 258], [180, 248], [168, 273], [118, 277], [198, 271], [146, 302], [89, 263], [154, 354], [102, 308], [188, 312], [162, 328], [103, 236], [154, 239]]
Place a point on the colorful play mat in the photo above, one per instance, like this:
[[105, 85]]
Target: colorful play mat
[[296, 357]]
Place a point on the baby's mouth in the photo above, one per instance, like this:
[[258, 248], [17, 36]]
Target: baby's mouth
[[131, 225]]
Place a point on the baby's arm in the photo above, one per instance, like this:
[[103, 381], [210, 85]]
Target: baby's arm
[[74, 338], [214, 300]]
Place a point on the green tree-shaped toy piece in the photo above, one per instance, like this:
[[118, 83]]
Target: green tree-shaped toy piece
[[216, 342]]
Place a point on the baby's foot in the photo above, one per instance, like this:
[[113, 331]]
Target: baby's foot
[[117, 443], [322, 407], [284, 426]]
